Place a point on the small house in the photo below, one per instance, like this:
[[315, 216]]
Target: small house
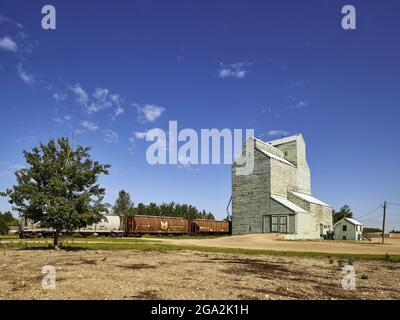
[[348, 229]]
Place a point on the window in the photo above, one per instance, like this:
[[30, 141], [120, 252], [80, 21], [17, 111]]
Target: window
[[286, 153], [344, 228], [344, 238]]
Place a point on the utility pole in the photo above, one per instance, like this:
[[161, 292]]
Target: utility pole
[[384, 221]]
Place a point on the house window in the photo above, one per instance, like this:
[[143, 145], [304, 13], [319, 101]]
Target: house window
[[344, 238], [344, 229]]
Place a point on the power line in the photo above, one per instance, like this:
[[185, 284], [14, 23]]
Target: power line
[[394, 204], [372, 211], [371, 218]]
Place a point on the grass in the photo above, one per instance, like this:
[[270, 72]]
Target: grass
[[8, 236], [80, 239], [137, 244]]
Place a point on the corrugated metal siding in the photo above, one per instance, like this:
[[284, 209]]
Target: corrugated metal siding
[[152, 224], [213, 226]]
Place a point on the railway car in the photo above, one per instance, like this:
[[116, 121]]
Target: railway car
[[136, 226], [205, 226], [109, 225], [157, 225]]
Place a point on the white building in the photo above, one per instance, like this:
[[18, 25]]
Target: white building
[[276, 196], [348, 229]]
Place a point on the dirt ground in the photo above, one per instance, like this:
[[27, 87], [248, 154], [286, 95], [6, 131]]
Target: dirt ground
[[133, 274], [270, 242]]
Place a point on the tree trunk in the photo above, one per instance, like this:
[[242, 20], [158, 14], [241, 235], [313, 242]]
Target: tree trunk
[[124, 224], [56, 238]]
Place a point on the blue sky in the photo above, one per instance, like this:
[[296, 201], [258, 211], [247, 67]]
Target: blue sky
[[114, 69]]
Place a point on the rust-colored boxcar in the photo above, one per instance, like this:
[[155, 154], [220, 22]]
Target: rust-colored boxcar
[[202, 226], [156, 224]]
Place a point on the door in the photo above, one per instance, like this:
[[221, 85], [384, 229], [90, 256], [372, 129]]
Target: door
[[279, 224]]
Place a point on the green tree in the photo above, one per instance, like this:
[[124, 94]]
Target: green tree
[[172, 209], [210, 216], [3, 227], [58, 187], [153, 209], [344, 211], [141, 209], [8, 219], [124, 207]]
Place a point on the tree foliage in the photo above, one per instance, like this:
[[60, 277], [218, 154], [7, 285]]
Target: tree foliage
[[172, 210], [123, 207], [8, 219], [58, 187], [344, 211], [3, 227]]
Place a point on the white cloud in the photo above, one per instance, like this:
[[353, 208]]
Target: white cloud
[[132, 142], [299, 104], [91, 126], [296, 84], [184, 162], [277, 133], [8, 44], [101, 94], [100, 99], [63, 120], [118, 112], [149, 113], [236, 70], [59, 96], [110, 136], [26, 77], [81, 95], [140, 135]]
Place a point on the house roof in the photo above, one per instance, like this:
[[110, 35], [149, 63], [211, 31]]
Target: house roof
[[284, 140], [352, 221], [286, 203], [273, 156], [310, 198], [266, 153]]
